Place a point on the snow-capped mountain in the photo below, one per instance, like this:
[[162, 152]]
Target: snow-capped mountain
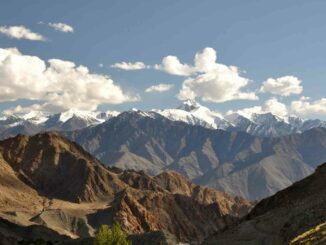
[[35, 121], [193, 113], [265, 125], [190, 112], [35, 117], [269, 125]]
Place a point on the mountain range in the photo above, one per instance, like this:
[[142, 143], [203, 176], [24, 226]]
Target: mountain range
[[52, 189], [183, 140], [35, 122], [234, 162], [190, 112]]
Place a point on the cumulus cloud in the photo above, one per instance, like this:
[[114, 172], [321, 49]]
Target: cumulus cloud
[[162, 87], [21, 32], [305, 107], [62, 27], [128, 66], [269, 106], [214, 82], [172, 65], [59, 84], [205, 79], [283, 86], [224, 84], [275, 107], [205, 61]]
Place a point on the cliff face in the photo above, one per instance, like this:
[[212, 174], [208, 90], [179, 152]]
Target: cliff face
[[49, 181]]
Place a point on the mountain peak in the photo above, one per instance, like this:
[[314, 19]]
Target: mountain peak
[[65, 116], [189, 105], [266, 117]]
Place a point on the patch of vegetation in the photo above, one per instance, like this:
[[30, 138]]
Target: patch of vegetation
[[111, 236]]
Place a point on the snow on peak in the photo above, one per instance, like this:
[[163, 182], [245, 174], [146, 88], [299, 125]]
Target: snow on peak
[[36, 117], [86, 115], [193, 113], [141, 113], [189, 105]]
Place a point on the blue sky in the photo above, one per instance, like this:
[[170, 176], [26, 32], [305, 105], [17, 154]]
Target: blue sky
[[264, 39]]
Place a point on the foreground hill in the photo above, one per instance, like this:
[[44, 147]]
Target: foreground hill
[[296, 214], [50, 185], [232, 162]]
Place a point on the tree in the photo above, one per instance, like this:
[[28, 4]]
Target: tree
[[111, 236]]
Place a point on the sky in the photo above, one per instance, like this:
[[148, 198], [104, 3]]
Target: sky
[[232, 56]]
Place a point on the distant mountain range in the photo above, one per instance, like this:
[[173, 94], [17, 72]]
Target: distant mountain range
[[264, 125], [190, 112], [35, 122], [235, 162], [224, 153], [52, 189]]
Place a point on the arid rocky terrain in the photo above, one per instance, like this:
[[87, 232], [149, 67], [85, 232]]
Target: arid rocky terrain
[[52, 188], [295, 215]]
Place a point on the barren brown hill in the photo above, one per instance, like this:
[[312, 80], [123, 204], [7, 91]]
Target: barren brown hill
[[297, 213], [48, 181]]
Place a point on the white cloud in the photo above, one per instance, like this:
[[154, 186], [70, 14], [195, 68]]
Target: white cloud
[[305, 107], [283, 86], [207, 79], [23, 110], [270, 106], [162, 87], [172, 65], [62, 27], [100, 65], [21, 32], [275, 107], [205, 61], [223, 84], [214, 82], [128, 66], [59, 84]]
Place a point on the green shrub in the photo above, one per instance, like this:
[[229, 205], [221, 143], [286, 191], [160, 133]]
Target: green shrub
[[111, 236]]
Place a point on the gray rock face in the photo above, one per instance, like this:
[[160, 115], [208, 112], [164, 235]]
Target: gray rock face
[[234, 162]]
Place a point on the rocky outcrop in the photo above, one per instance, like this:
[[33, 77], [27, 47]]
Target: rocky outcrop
[[292, 214]]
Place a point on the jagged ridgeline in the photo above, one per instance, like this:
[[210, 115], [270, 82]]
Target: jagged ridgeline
[[233, 162]]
